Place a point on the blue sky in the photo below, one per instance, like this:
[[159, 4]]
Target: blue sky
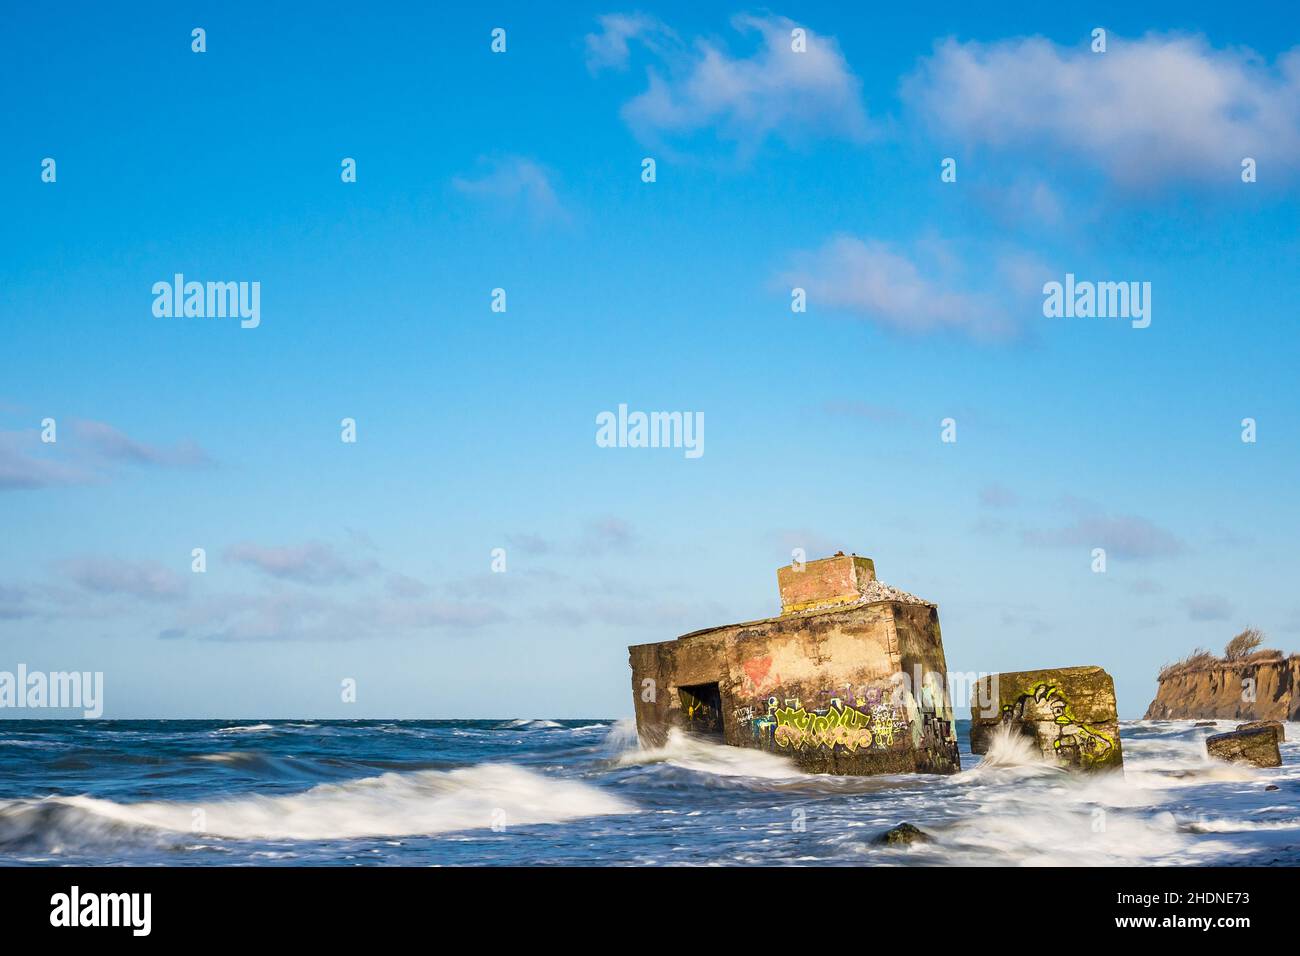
[[522, 170]]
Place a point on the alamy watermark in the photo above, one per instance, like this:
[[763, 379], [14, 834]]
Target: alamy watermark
[[930, 688], [1101, 300], [209, 300], [55, 690], [651, 430], [75, 908]]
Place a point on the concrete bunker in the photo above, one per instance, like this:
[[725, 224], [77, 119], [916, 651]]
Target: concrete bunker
[[850, 678], [1069, 713], [702, 708]]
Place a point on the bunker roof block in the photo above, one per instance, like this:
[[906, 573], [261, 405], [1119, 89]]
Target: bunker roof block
[[824, 583], [849, 679]]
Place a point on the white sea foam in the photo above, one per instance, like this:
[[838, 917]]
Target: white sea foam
[[245, 729], [1171, 805], [621, 737], [425, 802], [1012, 807], [1213, 825], [1008, 748], [1165, 808], [231, 757], [693, 753]]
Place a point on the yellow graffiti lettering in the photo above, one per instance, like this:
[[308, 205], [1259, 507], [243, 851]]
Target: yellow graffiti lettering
[[838, 727]]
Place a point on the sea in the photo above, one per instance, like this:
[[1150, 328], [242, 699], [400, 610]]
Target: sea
[[584, 793]]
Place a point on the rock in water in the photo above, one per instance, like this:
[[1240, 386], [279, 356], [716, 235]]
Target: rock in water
[[1069, 712], [903, 835], [1257, 746], [1277, 725]]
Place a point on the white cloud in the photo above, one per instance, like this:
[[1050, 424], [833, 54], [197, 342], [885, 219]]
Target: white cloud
[[404, 586], [14, 604], [146, 580], [600, 535], [311, 563], [774, 91], [608, 49], [1148, 109], [1123, 536], [86, 452], [1023, 201], [528, 543], [516, 184], [115, 445], [25, 464], [916, 293], [606, 535]]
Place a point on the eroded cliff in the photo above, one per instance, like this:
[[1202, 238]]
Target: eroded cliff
[[1259, 689]]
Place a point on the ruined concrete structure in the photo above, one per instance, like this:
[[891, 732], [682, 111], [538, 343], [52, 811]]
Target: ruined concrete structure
[[1275, 725], [1069, 713], [849, 679], [1255, 744]]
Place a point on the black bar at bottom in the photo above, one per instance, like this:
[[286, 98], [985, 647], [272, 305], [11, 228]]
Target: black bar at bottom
[[332, 904]]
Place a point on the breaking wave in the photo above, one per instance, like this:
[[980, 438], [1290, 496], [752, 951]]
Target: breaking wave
[[236, 758], [523, 724], [245, 729], [692, 753], [361, 793], [390, 805], [1010, 749]]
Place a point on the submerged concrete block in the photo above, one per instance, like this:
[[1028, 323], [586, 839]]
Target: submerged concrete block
[[1277, 725], [1257, 746], [1069, 712], [855, 687]]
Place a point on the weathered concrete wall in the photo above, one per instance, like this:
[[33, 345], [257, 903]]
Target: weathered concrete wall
[[1257, 746], [1255, 690], [824, 583], [824, 687], [1070, 713], [1278, 728]]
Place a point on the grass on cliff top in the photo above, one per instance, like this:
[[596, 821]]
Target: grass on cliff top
[[1243, 649]]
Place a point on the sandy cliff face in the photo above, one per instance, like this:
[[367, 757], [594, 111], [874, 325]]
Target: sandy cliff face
[[1225, 691]]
